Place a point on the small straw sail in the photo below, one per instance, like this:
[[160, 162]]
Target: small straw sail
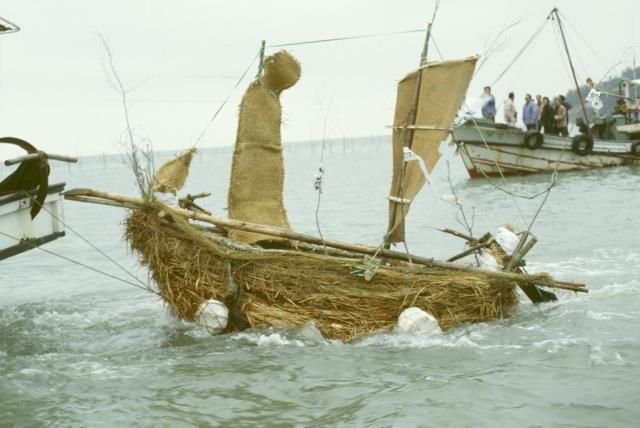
[[433, 94], [172, 175]]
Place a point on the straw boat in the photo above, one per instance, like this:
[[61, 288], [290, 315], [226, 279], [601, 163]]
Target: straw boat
[[267, 275]]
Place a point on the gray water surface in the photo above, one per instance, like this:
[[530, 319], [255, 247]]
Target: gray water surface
[[82, 349]]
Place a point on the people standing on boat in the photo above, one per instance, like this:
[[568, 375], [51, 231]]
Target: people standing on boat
[[560, 118], [488, 104], [547, 121], [530, 113], [567, 106], [539, 104], [510, 113]]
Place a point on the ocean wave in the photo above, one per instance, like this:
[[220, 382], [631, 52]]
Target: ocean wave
[[594, 352], [273, 338], [600, 262], [624, 288], [305, 335]]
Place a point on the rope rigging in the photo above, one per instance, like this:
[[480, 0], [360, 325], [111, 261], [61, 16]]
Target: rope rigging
[[105, 255], [70, 260], [337, 39], [519, 54], [224, 102]]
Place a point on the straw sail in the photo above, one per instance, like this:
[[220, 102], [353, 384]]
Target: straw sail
[[172, 175], [432, 95], [257, 173]]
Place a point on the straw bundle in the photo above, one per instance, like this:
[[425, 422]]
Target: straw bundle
[[172, 175], [281, 71], [285, 288]]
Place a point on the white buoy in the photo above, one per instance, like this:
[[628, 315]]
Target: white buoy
[[486, 261], [507, 240], [213, 316], [414, 320]]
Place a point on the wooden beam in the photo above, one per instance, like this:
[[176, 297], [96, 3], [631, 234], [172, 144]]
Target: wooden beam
[[88, 195], [39, 155]]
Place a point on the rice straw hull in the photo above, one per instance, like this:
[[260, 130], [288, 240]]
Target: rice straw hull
[[287, 288]]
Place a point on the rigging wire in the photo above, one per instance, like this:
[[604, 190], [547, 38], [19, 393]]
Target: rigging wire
[[524, 63], [224, 102], [556, 36], [437, 48], [565, 62], [53, 253], [336, 39], [593, 51], [576, 54], [526, 45], [112, 260]]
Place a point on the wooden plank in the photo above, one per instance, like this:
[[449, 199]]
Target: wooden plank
[[28, 244]]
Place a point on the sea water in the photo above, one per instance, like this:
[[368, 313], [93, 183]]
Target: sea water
[[78, 348]]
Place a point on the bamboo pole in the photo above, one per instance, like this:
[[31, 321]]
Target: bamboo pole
[[458, 234], [95, 196], [39, 155], [466, 252]]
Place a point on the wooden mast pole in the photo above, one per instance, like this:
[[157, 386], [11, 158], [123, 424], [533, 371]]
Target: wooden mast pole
[[573, 71], [261, 63], [425, 47]]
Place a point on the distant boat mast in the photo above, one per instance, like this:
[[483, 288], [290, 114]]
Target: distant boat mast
[[555, 13]]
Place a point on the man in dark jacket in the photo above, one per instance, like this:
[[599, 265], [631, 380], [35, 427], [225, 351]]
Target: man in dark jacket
[[546, 117]]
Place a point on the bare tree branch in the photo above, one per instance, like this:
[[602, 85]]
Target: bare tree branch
[[494, 44], [135, 147]]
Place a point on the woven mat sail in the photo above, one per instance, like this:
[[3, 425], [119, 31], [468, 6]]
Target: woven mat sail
[[257, 173], [442, 89]]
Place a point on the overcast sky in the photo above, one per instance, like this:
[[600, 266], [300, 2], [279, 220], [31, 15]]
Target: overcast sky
[[185, 56]]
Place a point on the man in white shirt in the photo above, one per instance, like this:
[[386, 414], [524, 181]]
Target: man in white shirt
[[510, 113]]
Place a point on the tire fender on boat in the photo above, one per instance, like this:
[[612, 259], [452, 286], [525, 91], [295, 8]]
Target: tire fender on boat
[[635, 149], [533, 140], [582, 144]]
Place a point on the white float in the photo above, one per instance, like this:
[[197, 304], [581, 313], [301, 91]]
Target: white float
[[416, 321], [486, 261], [507, 240], [213, 316]]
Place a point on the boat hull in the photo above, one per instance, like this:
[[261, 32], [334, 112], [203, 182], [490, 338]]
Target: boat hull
[[494, 152], [289, 288], [20, 232]]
